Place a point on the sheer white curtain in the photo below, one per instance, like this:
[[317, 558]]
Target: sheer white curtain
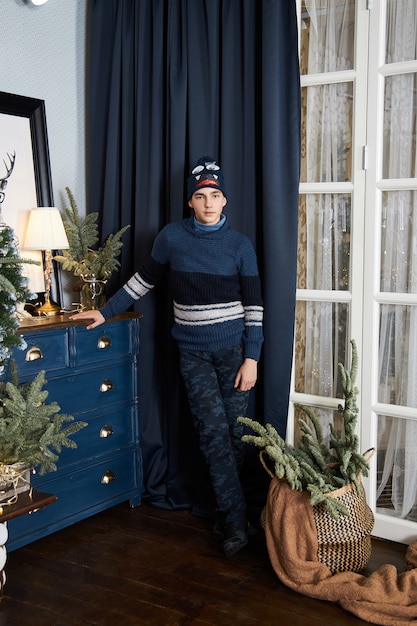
[[328, 143], [398, 324]]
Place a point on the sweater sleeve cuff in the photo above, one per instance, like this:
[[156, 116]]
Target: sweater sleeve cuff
[[117, 304], [252, 351]]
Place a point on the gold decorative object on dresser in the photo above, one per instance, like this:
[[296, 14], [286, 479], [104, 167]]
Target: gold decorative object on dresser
[[92, 375]]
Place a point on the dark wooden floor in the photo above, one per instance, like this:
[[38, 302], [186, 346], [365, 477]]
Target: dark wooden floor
[[146, 566]]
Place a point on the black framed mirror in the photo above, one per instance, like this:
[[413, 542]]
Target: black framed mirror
[[25, 172]]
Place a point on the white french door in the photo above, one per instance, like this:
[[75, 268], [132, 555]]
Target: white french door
[[357, 261]]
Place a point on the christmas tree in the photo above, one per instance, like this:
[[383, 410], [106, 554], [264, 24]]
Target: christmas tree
[[13, 290]]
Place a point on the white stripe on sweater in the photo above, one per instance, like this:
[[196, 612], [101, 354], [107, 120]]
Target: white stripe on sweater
[[200, 315], [253, 315], [136, 287]]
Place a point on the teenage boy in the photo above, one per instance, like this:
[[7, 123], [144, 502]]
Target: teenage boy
[[218, 316]]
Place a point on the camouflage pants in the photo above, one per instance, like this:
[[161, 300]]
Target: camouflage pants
[[215, 405]]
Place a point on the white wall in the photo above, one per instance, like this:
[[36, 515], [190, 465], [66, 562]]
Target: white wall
[[43, 56]]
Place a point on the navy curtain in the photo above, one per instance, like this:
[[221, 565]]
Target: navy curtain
[[170, 81]]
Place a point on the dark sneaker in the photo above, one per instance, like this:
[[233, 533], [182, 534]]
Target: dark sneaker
[[235, 538]]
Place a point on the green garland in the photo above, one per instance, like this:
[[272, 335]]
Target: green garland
[[312, 466]]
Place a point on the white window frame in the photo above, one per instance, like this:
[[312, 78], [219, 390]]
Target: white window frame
[[366, 188]]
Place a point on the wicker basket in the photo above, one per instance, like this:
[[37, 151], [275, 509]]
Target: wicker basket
[[344, 545]]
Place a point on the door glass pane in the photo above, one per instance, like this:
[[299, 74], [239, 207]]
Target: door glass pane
[[327, 141], [400, 101], [399, 242], [401, 31], [326, 417], [398, 355], [321, 342], [397, 467], [324, 242], [327, 35]]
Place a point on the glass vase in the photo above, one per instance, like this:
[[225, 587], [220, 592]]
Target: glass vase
[[92, 294]]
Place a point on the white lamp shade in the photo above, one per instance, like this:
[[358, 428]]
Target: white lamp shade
[[45, 230]]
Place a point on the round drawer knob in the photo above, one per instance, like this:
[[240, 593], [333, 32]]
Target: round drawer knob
[[108, 477], [106, 385], [106, 431], [33, 354], [104, 342]]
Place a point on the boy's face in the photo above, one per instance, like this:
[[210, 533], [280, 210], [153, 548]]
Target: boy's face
[[207, 204]]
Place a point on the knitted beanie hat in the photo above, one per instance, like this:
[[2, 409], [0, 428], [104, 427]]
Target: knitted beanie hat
[[206, 173]]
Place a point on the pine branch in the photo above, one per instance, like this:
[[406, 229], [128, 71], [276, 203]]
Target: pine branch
[[82, 234], [83, 257], [31, 430]]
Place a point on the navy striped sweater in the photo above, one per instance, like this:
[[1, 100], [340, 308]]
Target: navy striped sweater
[[215, 287]]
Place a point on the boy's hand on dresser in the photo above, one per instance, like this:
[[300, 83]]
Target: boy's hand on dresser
[[93, 315]]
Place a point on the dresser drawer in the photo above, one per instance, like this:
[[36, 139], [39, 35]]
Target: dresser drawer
[[45, 351], [109, 341], [93, 390], [80, 494], [105, 435]]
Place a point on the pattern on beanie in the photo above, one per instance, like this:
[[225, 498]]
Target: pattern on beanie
[[206, 173], [214, 180]]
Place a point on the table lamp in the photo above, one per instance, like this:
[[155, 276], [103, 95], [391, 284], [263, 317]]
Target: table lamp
[[45, 231]]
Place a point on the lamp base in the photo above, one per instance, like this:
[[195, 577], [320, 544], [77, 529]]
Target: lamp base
[[48, 309]]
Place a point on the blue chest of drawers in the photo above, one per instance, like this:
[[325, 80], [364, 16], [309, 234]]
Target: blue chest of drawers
[[92, 375]]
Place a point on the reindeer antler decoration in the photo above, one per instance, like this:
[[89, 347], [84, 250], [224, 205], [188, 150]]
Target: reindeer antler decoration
[[3, 182]]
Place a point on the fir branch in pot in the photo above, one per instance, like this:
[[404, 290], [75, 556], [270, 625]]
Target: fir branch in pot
[[83, 258], [32, 431], [312, 466]]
